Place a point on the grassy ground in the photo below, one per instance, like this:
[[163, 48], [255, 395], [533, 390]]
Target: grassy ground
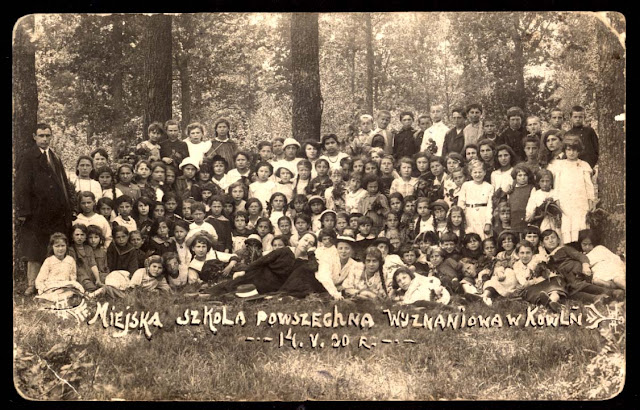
[[57, 358]]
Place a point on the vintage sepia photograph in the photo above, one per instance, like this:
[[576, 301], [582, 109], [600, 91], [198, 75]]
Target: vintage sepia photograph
[[291, 207]]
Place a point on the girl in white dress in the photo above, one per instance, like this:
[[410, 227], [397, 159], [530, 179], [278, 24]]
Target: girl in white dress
[[501, 177], [607, 268], [475, 199], [574, 189], [197, 147]]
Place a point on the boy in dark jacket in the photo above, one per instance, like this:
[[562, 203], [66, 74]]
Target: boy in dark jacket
[[404, 143]]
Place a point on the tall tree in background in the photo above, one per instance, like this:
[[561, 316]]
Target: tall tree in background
[[610, 100], [370, 63], [185, 39], [307, 100], [117, 82], [25, 91], [157, 70], [498, 48]]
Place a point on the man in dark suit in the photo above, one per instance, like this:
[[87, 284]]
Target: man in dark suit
[[43, 200]]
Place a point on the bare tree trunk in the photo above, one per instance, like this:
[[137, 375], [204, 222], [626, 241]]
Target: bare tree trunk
[[307, 98], [370, 64], [90, 130], [25, 90], [185, 87], [117, 129], [25, 104], [183, 62], [157, 70], [610, 96]]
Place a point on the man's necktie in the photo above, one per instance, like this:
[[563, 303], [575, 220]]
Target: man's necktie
[[49, 160]]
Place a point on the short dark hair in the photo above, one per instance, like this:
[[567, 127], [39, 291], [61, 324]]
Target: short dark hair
[[171, 122], [436, 158], [217, 198], [531, 138], [100, 151], [264, 164], [522, 167], [487, 141], [472, 106], [524, 244], [263, 144], [449, 237], [283, 238], [42, 126], [327, 232], [369, 178], [302, 216], [460, 111], [246, 154], [283, 218], [407, 248], [156, 126], [124, 198], [328, 136], [242, 214], [515, 112], [575, 108], [404, 113], [471, 235]]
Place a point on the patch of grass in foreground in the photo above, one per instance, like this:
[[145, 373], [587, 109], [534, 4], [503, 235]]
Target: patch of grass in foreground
[[191, 363]]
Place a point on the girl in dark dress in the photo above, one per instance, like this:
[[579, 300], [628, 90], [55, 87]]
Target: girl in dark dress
[[523, 185], [159, 242]]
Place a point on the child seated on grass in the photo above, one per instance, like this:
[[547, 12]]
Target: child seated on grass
[[367, 283], [574, 267], [447, 270], [59, 269], [540, 286], [410, 288], [448, 243], [470, 283], [409, 256], [608, 269], [150, 277], [210, 265]]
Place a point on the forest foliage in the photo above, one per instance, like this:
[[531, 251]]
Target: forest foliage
[[238, 65]]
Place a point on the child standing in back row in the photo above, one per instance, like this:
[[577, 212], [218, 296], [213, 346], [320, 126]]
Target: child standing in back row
[[522, 190]]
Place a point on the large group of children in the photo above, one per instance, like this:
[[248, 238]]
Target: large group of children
[[416, 214]]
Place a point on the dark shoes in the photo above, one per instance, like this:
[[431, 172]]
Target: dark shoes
[[618, 295], [543, 298], [555, 306]]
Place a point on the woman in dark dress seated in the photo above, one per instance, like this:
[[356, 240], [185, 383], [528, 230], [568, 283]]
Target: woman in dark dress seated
[[271, 271]]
